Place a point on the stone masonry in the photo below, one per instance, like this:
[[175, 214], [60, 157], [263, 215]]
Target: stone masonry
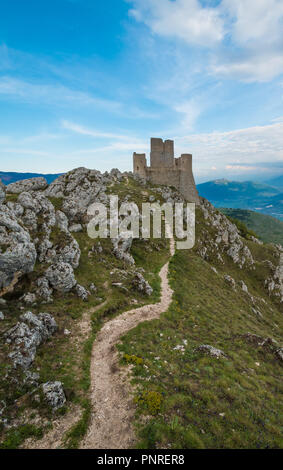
[[167, 170]]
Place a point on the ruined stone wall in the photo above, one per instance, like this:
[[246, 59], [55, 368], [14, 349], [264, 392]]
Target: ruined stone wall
[[164, 176]]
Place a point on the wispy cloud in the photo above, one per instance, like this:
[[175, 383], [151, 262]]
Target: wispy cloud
[[79, 129], [48, 94], [190, 110]]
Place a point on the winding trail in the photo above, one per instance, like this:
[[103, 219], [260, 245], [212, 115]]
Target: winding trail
[[113, 408]]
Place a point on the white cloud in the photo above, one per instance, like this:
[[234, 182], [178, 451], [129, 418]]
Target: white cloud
[[244, 37], [255, 22], [183, 19]]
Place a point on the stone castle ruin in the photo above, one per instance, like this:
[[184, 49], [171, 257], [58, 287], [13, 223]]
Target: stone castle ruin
[[167, 170]]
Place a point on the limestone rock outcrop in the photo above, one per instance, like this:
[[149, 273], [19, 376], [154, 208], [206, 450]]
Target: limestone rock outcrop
[[226, 238], [32, 184], [2, 192], [17, 252], [25, 337], [78, 189]]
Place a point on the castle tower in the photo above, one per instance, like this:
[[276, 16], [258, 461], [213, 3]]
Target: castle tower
[[139, 162], [156, 153], [166, 170], [169, 153]]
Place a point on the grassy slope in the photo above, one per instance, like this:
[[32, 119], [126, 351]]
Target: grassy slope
[[67, 358], [195, 401], [268, 229]]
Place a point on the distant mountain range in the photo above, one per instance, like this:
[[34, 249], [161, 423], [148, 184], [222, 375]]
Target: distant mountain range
[[258, 197], [8, 177]]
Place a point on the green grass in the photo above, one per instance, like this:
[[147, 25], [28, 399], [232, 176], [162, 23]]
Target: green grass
[[15, 437], [57, 202], [12, 197]]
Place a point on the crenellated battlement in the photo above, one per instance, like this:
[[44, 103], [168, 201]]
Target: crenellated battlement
[[165, 169]]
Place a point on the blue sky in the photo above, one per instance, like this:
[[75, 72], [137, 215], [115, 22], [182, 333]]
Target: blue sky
[[86, 83]]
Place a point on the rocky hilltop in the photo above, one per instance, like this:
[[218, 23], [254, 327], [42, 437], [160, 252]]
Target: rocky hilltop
[[57, 287]]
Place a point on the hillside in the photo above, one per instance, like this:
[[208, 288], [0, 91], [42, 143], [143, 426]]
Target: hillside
[[268, 229], [206, 374], [8, 177], [244, 195], [277, 182]]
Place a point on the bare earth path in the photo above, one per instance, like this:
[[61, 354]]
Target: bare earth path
[[113, 408]]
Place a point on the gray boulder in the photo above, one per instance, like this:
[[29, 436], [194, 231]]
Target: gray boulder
[[141, 284], [32, 184], [244, 287], [62, 221], [61, 276], [211, 351], [2, 192], [29, 298], [36, 204], [76, 228], [44, 291], [17, 260], [79, 189], [70, 253], [17, 253], [82, 292], [54, 394], [27, 335], [229, 280]]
